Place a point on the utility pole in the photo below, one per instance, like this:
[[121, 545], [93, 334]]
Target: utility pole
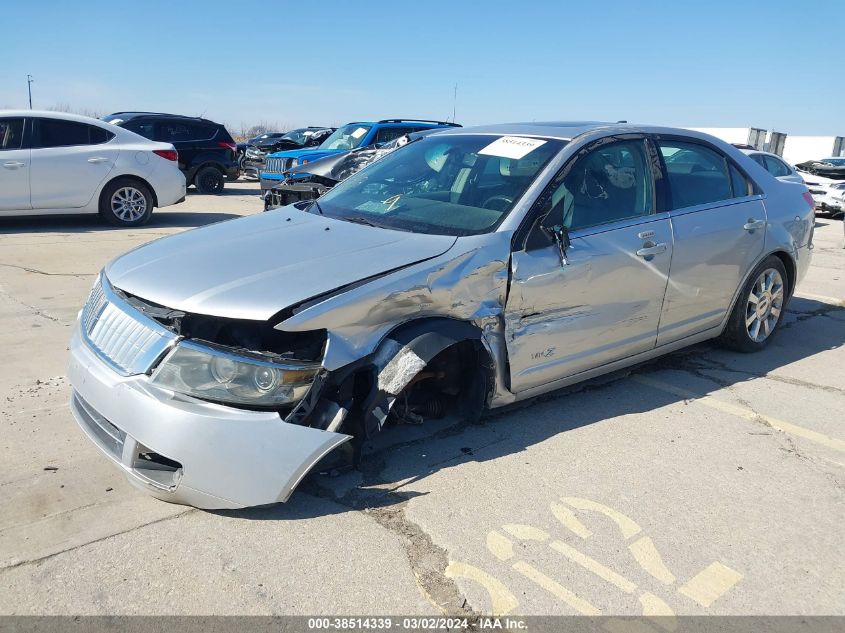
[[454, 102], [29, 81]]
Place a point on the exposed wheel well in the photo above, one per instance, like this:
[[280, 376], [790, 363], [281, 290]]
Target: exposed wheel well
[[132, 178]]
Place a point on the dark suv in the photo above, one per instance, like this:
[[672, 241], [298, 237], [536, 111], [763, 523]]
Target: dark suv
[[207, 152]]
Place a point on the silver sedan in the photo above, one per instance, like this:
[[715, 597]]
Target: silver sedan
[[464, 271]]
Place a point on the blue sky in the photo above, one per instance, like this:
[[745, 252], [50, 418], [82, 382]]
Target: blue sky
[[773, 64]]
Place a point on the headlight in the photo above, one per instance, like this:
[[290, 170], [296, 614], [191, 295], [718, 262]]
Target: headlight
[[211, 374]]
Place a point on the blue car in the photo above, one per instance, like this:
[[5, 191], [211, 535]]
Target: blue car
[[345, 138]]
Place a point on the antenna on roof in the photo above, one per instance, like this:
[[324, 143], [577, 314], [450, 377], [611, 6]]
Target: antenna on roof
[[454, 102]]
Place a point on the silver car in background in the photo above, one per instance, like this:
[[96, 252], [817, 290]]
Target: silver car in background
[[464, 271]]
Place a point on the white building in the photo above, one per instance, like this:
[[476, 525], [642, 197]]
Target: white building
[[803, 148], [756, 137]]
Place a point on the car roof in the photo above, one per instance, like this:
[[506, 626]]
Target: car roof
[[749, 152], [568, 130], [404, 122], [126, 116], [51, 114]]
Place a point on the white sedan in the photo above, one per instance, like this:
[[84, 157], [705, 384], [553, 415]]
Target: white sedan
[[55, 163], [828, 194], [775, 165]]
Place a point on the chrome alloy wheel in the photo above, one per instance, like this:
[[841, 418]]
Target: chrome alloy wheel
[[128, 204], [765, 302]]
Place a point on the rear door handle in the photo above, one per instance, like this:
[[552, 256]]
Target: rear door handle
[[13, 164], [753, 224], [97, 159], [647, 251]]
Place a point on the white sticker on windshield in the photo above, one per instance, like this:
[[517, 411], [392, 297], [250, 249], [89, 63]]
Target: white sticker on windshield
[[512, 147], [359, 132]]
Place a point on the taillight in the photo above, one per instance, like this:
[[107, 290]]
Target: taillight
[[227, 144], [809, 198], [167, 154]]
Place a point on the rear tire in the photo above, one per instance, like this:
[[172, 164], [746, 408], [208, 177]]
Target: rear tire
[[759, 308], [126, 202], [209, 180]]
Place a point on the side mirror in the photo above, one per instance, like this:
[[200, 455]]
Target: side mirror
[[560, 236]]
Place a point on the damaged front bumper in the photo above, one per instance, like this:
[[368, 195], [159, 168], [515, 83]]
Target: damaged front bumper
[[184, 450]]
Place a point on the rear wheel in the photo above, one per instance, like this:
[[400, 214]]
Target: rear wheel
[[209, 180], [126, 202], [759, 308]]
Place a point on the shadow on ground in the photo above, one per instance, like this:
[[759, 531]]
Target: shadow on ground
[[451, 443]]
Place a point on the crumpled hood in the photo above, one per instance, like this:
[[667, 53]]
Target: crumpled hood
[[253, 267], [312, 153]]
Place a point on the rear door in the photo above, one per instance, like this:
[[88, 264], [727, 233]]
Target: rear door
[[602, 301], [14, 165], [70, 160], [719, 226]]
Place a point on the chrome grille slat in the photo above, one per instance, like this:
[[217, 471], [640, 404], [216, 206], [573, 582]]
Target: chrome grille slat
[[126, 339]]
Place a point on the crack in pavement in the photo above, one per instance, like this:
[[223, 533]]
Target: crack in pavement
[[35, 561], [48, 274], [33, 309]]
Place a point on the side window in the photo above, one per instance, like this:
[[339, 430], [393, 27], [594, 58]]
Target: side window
[[697, 174], [740, 185], [386, 134], [610, 183], [173, 132], [99, 135], [59, 133], [776, 167], [11, 134], [144, 128], [200, 132]]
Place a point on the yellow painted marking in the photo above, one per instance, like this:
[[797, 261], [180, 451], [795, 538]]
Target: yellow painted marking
[[502, 601], [526, 532], [569, 520], [499, 545], [649, 559], [555, 588], [627, 525], [591, 564], [658, 611], [707, 585], [617, 625], [743, 412], [822, 298]]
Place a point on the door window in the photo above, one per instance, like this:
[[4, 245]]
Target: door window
[[60, 133], [144, 128], [11, 133], [610, 183], [697, 174]]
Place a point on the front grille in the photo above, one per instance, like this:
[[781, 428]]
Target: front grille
[[127, 340], [277, 165]]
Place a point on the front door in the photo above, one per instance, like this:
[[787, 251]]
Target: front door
[[601, 299], [14, 166]]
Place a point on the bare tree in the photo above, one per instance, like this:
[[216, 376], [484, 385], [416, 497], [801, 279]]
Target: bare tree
[[66, 107]]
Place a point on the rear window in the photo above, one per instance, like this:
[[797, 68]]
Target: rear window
[[182, 131], [11, 133]]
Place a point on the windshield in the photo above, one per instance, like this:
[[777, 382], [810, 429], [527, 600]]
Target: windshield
[[298, 136], [443, 184], [346, 137]]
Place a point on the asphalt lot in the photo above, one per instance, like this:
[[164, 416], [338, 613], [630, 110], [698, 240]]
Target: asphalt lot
[[706, 482]]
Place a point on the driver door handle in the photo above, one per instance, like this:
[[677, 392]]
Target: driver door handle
[[753, 224], [97, 159], [652, 250], [13, 164]]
